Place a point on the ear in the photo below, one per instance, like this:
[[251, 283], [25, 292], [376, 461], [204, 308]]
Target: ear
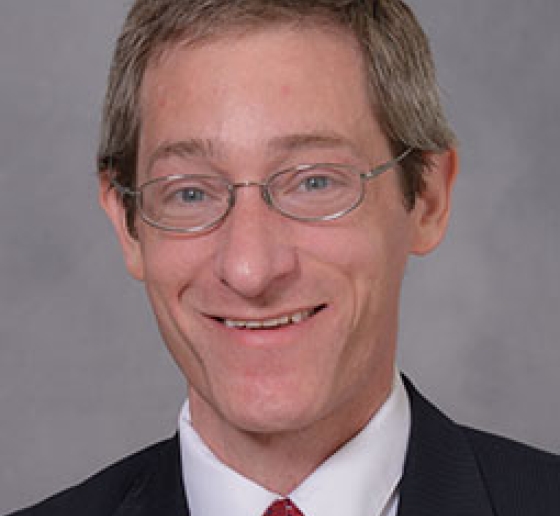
[[433, 205], [111, 202]]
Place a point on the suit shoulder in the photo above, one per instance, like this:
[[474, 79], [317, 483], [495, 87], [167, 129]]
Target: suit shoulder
[[516, 474], [104, 492]]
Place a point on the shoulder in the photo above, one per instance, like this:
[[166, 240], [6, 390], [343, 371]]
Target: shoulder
[[516, 474], [106, 491], [481, 473]]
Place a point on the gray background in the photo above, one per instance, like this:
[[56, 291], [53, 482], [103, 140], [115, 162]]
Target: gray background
[[84, 378]]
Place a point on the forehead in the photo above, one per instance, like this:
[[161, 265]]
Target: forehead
[[249, 87]]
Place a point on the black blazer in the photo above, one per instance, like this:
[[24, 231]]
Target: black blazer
[[450, 470]]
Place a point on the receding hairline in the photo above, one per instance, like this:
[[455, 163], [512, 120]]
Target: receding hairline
[[196, 37]]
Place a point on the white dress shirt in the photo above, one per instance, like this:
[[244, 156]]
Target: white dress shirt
[[360, 479]]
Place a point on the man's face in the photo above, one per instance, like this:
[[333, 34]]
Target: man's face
[[248, 106]]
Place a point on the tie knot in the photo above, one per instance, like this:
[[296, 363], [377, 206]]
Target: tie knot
[[283, 507]]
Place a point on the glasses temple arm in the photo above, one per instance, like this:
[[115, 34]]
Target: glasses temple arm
[[386, 166], [123, 190]]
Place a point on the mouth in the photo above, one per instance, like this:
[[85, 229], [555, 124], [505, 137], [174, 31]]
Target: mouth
[[272, 323]]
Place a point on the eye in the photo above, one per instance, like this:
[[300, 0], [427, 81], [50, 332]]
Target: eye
[[190, 195], [316, 182], [192, 192], [319, 181], [185, 201]]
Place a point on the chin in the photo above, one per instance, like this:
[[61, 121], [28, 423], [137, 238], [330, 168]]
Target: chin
[[270, 409]]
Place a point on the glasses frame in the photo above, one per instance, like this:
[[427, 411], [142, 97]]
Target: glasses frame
[[232, 188]]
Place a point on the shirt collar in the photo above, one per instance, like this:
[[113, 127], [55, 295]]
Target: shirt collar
[[360, 479]]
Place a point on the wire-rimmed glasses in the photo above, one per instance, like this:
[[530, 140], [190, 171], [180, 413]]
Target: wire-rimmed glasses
[[190, 203]]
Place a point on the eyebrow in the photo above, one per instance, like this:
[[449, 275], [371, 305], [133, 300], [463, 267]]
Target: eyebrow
[[309, 141], [193, 147], [207, 148]]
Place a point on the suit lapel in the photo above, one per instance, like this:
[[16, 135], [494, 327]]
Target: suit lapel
[[441, 476], [159, 489]]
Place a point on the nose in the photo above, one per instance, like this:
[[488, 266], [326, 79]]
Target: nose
[[255, 251]]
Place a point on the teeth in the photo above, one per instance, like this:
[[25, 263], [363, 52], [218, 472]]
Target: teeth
[[297, 318], [270, 323]]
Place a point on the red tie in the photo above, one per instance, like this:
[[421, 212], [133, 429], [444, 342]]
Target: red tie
[[283, 507]]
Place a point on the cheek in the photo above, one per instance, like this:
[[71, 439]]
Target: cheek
[[354, 253], [350, 265], [171, 265], [369, 255]]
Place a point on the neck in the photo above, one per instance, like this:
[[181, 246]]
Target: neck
[[280, 461]]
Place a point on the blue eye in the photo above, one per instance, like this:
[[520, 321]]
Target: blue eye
[[191, 195], [316, 183]]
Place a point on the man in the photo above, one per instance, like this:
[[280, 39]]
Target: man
[[269, 167]]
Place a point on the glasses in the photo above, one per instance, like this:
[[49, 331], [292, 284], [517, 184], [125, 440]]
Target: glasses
[[191, 203]]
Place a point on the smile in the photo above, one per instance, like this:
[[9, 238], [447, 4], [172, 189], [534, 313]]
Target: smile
[[268, 324]]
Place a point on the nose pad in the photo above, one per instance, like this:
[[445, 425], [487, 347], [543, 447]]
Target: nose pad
[[265, 194]]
